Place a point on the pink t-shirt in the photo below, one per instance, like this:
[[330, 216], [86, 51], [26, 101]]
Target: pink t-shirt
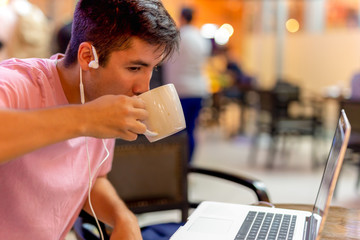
[[42, 192]]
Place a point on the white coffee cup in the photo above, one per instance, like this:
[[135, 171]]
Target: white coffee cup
[[166, 116]]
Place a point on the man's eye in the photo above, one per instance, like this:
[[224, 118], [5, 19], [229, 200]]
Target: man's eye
[[134, 69]]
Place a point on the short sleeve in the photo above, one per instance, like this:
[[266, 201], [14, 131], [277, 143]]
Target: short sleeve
[[8, 91]]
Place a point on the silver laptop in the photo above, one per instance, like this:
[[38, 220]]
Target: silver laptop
[[227, 221]]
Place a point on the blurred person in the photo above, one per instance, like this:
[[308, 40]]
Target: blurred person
[[26, 31], [59, 118], [185, 71], [8, 20], [355, 86]]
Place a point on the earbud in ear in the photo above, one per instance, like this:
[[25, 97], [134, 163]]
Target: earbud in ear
[[81, 86], [94, 63]]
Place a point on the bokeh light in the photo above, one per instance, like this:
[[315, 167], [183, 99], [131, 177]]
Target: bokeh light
[[220, 35], [208, 30], [3, 2], [292, 25], [228, 28]]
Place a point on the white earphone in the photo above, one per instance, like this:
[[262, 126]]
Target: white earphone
[[82, 94], [94, 63]]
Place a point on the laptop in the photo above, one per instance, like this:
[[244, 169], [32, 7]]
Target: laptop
[[228, 221]]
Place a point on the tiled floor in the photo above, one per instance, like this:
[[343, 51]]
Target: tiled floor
[[292, 180]]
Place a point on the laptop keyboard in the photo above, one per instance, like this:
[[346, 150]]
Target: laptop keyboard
[[269, 226]]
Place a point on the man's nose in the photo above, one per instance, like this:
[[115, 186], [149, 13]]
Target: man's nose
[[143, 85]]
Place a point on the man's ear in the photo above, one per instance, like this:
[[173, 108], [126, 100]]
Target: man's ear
[[84, 55]]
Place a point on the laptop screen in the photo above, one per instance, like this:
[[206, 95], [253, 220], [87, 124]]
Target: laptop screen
[[333, 165]]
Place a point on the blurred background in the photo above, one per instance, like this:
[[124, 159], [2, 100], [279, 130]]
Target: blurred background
[[278, 74], [314, 44]]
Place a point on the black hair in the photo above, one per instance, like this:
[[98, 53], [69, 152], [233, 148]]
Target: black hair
[[110, 25]]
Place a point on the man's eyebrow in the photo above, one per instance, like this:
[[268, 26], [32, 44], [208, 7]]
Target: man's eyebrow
[[140, 62]]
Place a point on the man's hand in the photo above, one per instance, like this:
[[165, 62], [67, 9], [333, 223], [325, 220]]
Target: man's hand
[[115, 116]]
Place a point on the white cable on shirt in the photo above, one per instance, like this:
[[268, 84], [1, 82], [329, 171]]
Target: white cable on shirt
[[91, 180]]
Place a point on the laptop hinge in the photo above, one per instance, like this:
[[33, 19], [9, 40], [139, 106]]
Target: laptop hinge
[[310, 228]]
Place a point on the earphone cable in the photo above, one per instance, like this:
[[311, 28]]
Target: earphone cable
[[91, 180]]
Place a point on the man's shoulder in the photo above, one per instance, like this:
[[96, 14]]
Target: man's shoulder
[[28, 67], [25, 76], [15, 63]]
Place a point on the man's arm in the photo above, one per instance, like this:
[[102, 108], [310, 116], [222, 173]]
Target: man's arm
[[22, 131], [110, 209]]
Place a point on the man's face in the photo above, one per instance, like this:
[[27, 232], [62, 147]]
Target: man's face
[[127, 72]]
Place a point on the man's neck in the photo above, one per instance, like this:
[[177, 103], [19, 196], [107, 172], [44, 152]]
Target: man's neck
[[70, 79]]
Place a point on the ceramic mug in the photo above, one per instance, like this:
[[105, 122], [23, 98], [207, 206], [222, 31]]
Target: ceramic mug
[[166, 116]]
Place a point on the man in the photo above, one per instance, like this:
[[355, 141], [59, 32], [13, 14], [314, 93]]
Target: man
[[185, 71], [44, 156]]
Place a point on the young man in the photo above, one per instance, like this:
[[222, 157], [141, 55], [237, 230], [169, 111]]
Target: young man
[[54, 113]]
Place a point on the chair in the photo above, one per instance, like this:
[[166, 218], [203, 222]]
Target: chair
[[276, 119], [152, 177]]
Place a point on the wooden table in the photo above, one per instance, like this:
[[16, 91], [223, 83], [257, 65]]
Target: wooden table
[[341, 223]]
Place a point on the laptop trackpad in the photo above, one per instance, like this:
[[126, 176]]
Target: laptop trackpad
[[211, 225]]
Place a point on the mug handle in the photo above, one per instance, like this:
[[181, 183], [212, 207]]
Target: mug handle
[[149, 133]]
